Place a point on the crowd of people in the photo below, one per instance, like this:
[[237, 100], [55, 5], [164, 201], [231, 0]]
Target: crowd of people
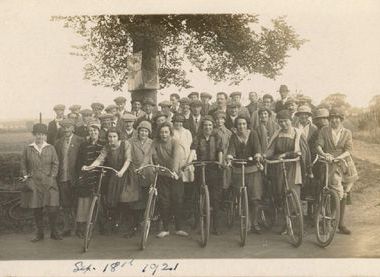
[[61, 160]]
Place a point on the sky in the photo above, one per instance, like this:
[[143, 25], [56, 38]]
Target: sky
[[37, 71]]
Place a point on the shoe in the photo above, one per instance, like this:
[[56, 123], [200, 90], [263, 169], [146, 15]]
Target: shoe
[[181, 233], [163, 234], [256, 229], [66, 233], [38, 237], [344, 230], [55, 236]]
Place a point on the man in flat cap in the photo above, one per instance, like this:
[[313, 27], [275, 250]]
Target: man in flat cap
[[54, 128], [149, 108], [221, 103], [120, 102], [205, 98], [136, 109], [284, 94], [114, 110], [105, 123], [193, 96], [235, 97], [166, 109], [67, 148], [174, 100], [82, 130], [97, 109], [232, 114], [253, 102], [194, 121], [128, 131]]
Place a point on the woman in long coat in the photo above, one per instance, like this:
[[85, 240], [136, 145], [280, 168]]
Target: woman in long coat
[[39, 166], [141, 154], [335, 142]]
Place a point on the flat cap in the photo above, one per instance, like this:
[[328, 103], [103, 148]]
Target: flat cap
[[111, 107], [105, 116], [97, 106], [178, 118], [220, 114], [94, 123], [159, 114], [283, 88], [165, 104], [196, 103], [321, 113], [235, 93], [233, 104], [148, 101], [75, 107], [193, 93], [59, 107], [120, 99], [206, 95], [67, 122], [184, 101], [86, 112], [304, 109], [128, 117]]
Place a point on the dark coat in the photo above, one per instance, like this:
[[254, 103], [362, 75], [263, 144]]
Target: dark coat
[[54, 133]]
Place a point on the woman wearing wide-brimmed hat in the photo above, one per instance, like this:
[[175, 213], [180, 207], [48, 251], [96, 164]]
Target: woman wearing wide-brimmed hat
[[39, 161], [335, 142]]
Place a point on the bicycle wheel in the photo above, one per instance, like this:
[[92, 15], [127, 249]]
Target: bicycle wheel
[[327, 217], [294, 218], [244, 215], [91, 222], [17, 213], [148, 215], [204, 215]]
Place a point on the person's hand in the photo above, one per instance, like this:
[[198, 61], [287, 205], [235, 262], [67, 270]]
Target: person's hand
[[119, 174], [282, 156], [311, 175], [175, 176], [87, 168], [329, 157]]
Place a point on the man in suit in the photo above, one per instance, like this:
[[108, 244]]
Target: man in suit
[[221, 103], [236, 98], [105, 123], [284, 94], [54, 129], [116, 122], [193, 96], [149, 107], [67, 148], [82, 130], [137, 108], [194, 121], [205, 98], [253, 105], [232, 114], [174, 100]]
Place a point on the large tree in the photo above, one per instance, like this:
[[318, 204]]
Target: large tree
[[227, 47]]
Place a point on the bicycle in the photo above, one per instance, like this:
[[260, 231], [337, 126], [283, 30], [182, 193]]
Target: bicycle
[[291, 205], [240, 203], [94, 208], [204, 209], [328, 207], [152, 199]]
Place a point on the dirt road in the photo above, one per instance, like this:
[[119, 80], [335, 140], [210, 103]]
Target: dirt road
[[363, 217]]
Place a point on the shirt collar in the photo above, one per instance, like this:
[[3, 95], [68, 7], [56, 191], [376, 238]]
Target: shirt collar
[[34, 145]]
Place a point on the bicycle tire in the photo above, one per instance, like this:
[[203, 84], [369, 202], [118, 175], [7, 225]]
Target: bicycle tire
[[294, 218], [325, 215], [91, 222], [204, 215], [244, 215], [148, 215], [15, 210]]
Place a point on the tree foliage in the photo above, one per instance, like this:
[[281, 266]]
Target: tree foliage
[[225, 46], [336, 100]]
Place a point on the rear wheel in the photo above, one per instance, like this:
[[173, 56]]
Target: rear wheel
[[327, 217], [204, 214], [294, 218], [148, 216], [91, 221], [244, 216]]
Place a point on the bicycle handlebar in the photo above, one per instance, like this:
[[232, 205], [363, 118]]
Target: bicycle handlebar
[[201, 163], [282, 161], [321, 159], [159, 167], [104, 167]]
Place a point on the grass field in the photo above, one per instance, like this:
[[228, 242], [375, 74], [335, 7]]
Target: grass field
[[14, 142]]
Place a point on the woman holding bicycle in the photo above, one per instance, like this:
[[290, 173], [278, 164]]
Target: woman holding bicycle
[[117, 154], [39, 168], [88, 152], [245, 144], [335, 143], [167, 152], [209, 147]]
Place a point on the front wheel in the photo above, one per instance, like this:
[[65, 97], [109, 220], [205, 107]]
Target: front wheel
[[244, 215], [204, 215], [294, 218], [91, 221], [148, 216], [327, 217]]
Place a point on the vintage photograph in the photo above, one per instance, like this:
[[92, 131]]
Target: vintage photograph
[[236, 132]]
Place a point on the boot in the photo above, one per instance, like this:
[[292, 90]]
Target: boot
[[66, 222], [38, 217], [53, 215], [343, 229]]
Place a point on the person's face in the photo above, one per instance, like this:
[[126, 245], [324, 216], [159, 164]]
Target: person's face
[[208, 126], [264, 116], [205, 100], [128, 125], [106, 123], [87, 118], [39, 138], [235, 98], [165, 109], [160, 120], [284, 124], [185, 108], [321, 122], [196, 110], [303, 118], [72, 116], [233, 111], [193, 97], [94, 133], [114, 112], [221, 100], [220, 121], [165, 133], [136, 106], [267, 103], [241, 125], [292, 107], [335, 122], [177, 125], [148, 108], [121, 106], [143, 133], [59, 113], [113, 138], [253, 97], [97, 111], [283, 94], [173, 100], [68, 130]]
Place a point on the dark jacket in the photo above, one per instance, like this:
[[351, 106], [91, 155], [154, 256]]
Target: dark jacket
[[54, 133]]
